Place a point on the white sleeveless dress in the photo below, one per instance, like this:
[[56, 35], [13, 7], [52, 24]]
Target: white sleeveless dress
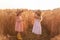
[[37, 27]]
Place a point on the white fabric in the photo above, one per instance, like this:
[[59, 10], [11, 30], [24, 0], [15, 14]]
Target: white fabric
[[37, 27]]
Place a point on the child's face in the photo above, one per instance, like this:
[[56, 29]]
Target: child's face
[[36, 16]]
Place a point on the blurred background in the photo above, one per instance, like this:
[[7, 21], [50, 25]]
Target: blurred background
[[50, 23], [30, 4]]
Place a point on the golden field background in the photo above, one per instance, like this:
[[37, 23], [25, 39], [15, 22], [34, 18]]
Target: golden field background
[[50, 24]]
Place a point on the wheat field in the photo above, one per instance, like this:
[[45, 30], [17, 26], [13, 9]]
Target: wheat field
[[50, 24]]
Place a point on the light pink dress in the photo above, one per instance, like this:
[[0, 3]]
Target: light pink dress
[[37, 27], [19, 24]]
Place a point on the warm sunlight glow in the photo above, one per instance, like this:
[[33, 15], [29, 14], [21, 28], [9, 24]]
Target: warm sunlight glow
[[30, 4]]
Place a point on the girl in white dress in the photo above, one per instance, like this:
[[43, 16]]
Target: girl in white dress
[[37, 29]]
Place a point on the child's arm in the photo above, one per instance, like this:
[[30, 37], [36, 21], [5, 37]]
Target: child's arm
[[41, 19], [21, 19]]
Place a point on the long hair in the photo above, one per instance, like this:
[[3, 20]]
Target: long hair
[[19, 12], [38, 12]]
